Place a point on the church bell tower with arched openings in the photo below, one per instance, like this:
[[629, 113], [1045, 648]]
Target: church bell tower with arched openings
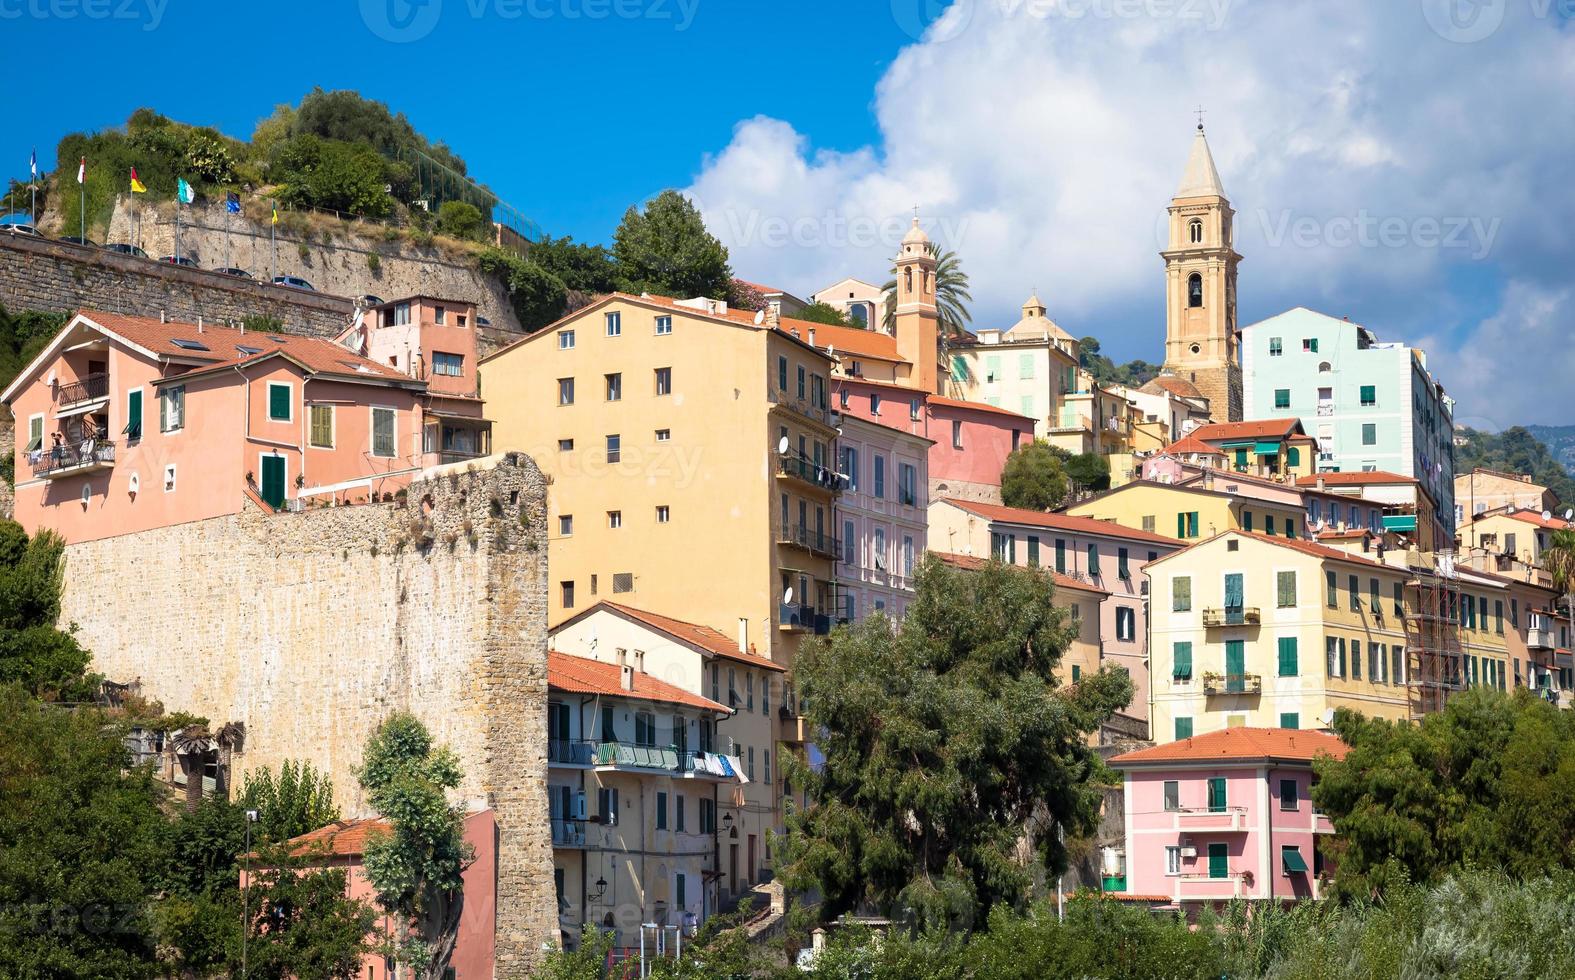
[[1202, 338]]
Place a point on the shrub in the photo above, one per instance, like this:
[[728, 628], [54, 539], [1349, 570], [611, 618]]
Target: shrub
[[458, 219]]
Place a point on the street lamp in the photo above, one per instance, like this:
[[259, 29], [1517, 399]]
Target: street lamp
[[601, 889], [246, 893]]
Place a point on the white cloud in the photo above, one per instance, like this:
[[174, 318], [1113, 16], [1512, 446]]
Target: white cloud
[[1378, 169]]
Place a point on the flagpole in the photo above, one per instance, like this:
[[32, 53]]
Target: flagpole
[[82, 183], [273, 241]]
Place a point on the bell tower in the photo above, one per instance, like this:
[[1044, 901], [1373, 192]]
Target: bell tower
[[917, 320], [1202, 339]]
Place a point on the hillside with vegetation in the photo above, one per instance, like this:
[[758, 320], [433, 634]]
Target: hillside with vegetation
[[1560, 440], [1133, 374], [1515, 450]]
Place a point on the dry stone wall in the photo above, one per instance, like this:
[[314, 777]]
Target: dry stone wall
[[7, 451], [311, 628]]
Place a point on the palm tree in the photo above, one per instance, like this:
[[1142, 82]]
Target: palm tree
[[1559, 560], [230, 740], [951, 294], [193, 744]]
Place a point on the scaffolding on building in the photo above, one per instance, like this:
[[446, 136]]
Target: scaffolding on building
[[1432, 626]]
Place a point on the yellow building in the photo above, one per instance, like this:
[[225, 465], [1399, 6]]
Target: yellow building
[[1030, 367], [1275, 632], [1205, 506], [1517, 538]]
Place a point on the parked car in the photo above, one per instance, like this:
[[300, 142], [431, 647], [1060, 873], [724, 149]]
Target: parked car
[[21, 229], [368, 301], [79, 240], [232, 271], [125, 249], [294, 282], [184, 260]]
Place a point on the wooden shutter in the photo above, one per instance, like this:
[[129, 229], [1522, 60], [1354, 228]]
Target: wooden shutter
[[1288, 656]]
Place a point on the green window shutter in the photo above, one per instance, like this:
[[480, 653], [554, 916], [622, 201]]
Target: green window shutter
[[1233, 591], [1182, 658], [1077, 673], [1192, 524], [1183, 728], [1181, 593], [133, 429], [1290, 719], [1241, 458], [1290, 527], [1369, 395], [279, 403], [1282, 398], [1285, 590], [1219, 860], [1288, 664], [1246, 520], [1060, 556], [1293, 456], [1181, 525], [1216, 796]]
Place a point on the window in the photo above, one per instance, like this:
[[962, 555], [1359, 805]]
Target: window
[[280, 408], [1282, 398], [615, 519], [565, 524], [607, 804], [623, 582], [1187, 524], [384, 443], [565, 339], [169, 478], [1498, 616], [172, 408], [644, 728], [664, 381], [565, 391], [913, 409], [1354, 593], [801, 382], [1181, 662], [1181, 593], [1397, 665], [1369, 396], [781, 373], [322, 435], [1290, 523], [1291, 859], [1216, 794], [1126, 623], [1289, 798], [1369, 434], [907, 484], [1123, 571], [614, 324], [664, 326], [1148, 523], [401, 314], [1195, 231], [1033, 551], [1332, 589], [1399, 598], [1310, 345], [1183, 728], [566, 593], [614, 387], [565, 445], [663, 514], [1276, 347], [1093, 559], [1285, 590], [1172, 795], [664, 435], [450, 365], [880, 476], [1194, 291], [874, 404], [1060, 555], [614, 448], [957, 442], [1246, 521], [847, 543], [907, 555], [1288, 656]]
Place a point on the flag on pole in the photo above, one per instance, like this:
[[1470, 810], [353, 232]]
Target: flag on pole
[[137, 187], [82, 171], [183, 191], [232, 202], [33, 164], [275, 212]]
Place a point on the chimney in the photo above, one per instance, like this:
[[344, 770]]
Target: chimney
[[1320, 483], [626, 677], [812, 336], [743, 634], [162, 317], [199, 323]]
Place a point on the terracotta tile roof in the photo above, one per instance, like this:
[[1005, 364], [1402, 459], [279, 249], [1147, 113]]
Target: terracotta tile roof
[[1532, 517], [1240, 745], [1180, 387], [1065, 522], [1344, 479], [312, 353], [972, 563], [708, 639], [342, 838], [1190, 443], [1256, 429], [976, 406], [1312, 548], [845, 340], [578, 675], [1355, 532]]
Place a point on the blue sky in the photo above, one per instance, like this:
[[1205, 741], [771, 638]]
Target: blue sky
[[1403, 163]]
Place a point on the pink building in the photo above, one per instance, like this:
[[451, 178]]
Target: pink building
[[881, 515], [1224, 815], [131, 423], [342, 845]]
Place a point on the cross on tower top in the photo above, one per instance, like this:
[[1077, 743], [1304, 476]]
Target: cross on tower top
[[1200, 118]]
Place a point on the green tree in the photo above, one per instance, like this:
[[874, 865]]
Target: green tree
[[314, 172], [951, 294], [298, 801], [580, 267], [666, 249], [1488, 782], [1514, 450], [416, 868], [1034, 478], [946, 741], [23, 335], [81, 842], [1089, 471], [1133, 374], [823, 313], [537, 296], [458, 219], [303, 925], [48, 662]]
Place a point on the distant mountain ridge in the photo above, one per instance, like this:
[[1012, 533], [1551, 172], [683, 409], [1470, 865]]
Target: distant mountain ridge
[[1560, 440]]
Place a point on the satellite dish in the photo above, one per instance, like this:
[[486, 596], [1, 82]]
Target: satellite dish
[[1547, 516], [1328, 717], [134, 483], [787, 596], [760, 317], [831, 351], [1569, 513], [782, 446], [1319, 525]]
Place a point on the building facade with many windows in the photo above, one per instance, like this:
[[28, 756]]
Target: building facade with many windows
[[882, 528]]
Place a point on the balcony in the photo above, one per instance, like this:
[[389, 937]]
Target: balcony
[[794, 617], [631, 756], [804, 408], [568, 833], [1540, 638], [91, 388], [807, 471], [1325, 408], [1201, 887], [1232, 616], [87, 456], [568, 753], [1216, 685], [1228, 820], [815, 541], [795, 728]]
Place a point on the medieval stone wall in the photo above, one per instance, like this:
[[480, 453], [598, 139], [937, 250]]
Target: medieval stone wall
[[312, 627]]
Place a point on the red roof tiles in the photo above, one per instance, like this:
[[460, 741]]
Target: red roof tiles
[[1344, 479], [577, 675], [1065, 522], [972, 563], [342, 838], [704, 637], [1256, 429], [1239, 745], [976, 406]]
